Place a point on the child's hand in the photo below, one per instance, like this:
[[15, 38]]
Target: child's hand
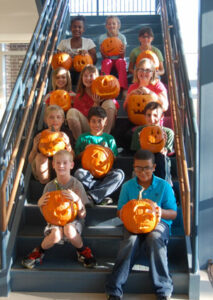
[[69, 194], [66, 141], [96, 99], [83, 52], [36, 141], [122, 51], [158, 212], [44, 199]]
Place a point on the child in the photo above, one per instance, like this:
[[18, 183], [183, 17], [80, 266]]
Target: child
[[98, 189], [77, 43], [153, 113], [41, 166], [73, 190], [146, 36], [84, 100], [113, 24], [155, 242], [61, 80]]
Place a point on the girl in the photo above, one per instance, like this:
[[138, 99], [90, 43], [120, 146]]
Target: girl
[[61, 80], [145, 82], [41, 164], [84, 100], [146, 36], [113, 25]]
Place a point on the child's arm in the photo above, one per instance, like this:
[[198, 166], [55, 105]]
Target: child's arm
[[67, 143], [69, 194], [34, 150], [131, 67], [43, 200]]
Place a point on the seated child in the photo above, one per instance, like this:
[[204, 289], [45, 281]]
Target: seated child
[[153, 113], [73, 190], [41, 164], [113, 25], [61, 80], [154, 242], [98, 189]]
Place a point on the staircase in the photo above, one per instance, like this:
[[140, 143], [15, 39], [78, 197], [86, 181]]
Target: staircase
[[60, 271]]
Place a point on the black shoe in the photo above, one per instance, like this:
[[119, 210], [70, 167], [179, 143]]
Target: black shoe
[[161, 297], [112, 297]]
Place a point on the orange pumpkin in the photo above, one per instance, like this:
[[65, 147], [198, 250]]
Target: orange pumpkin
[[61, 98], [152, 138], [111, 46], [139, 215], [59, 210], [106, 86], [50, 142], [97, 159], [80, 61], [61, 59], [136, 105], [148, 54]]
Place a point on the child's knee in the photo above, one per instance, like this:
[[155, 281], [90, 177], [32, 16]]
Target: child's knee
[[70, 231], [56, 235]]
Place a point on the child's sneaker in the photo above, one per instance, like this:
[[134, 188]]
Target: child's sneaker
[[86, 257], [33, 259]]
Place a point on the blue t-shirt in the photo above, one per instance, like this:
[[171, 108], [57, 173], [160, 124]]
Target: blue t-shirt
[[160, 191]]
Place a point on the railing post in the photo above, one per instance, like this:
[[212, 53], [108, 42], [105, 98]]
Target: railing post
[[97, 6]]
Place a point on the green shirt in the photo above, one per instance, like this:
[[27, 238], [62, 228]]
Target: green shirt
[[136, 51], [135, 144], [87, 138]]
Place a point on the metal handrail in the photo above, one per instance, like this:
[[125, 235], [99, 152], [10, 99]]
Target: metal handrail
[[179, 144], [7, 209]]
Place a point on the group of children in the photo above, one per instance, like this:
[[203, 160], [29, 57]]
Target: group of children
[[90, 121]]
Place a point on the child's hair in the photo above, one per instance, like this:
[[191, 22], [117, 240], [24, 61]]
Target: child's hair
[[63, 153], [55, 72], [151, 106], [144, 155], [139, 65], [51, 108], [147, 30], [77, 18], [114, 17], [97, 111], [80, 85]]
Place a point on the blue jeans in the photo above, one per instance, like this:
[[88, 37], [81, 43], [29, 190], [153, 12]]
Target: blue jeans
[[100, 188], [155, 244]]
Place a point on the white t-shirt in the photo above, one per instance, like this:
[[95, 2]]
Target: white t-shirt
[[65, 46]]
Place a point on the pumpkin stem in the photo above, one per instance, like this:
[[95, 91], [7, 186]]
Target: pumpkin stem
[[140, 194]]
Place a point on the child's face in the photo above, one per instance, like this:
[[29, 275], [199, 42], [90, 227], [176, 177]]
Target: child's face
[[62, 165], [77, 28], [54, 119], [144, 170], [145, 72], [145, 40], [88, 78], [61, 79], [153, 117], [97, 125], [112, 26]]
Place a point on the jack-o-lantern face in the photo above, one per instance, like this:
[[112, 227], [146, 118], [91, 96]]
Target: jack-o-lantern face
[[61, 59], [106, 86], [80, 61], [139, 216], [150, 55], [97, 159], [61, 98], [136, 105], [152, 138], [51, 142], [112, 46], [59, 210]]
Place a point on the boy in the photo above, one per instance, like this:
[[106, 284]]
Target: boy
[[153, 112], [98, 190], [73, 190], [159, 191]]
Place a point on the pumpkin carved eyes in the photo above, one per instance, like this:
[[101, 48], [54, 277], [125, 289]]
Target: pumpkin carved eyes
[[61, 59], [106, 86], [61, 98], [50, 142], [80, 61]]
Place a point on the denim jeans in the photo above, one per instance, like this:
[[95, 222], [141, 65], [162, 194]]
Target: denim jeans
[[155, 244], [100, 188]]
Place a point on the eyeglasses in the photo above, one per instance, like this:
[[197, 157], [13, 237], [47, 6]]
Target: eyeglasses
[[147, 71], [142, 169]]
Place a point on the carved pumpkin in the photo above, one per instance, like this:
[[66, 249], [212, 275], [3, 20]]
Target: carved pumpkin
[[106, 86], [152, 138], [136, 105], [61, 59], [59, 210], [61, 98], [50, 142], [148, 54], [139, 216], [97, 159], [112, 46], [80, 61]]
